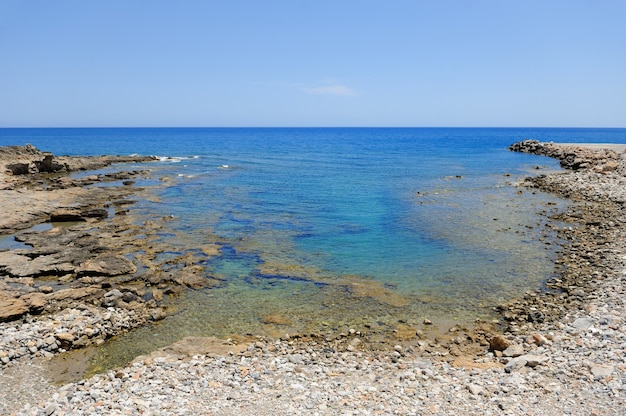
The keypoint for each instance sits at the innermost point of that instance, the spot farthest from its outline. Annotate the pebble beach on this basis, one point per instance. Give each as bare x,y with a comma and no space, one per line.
557,351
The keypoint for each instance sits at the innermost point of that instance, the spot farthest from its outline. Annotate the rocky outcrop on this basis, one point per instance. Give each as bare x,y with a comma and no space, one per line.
36,187
25,160
573,157
75,261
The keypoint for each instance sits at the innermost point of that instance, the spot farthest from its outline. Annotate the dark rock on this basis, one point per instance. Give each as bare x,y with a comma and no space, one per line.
20,168
99,213
77,215
66,215
49,165
536,316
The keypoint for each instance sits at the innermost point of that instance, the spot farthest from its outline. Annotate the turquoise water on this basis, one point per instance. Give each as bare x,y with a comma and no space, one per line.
341,226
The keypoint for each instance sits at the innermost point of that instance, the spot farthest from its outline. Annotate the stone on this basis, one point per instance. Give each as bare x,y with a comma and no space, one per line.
498,343
535,360
537,339
112,297
610,166
66,339
46,289
514,350
515,364
601,371
355,342
296,359
158,314
50,409
475,389
582,324
276,319
157,294
535,316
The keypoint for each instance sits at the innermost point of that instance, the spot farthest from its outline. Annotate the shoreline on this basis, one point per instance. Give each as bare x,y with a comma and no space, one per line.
530,355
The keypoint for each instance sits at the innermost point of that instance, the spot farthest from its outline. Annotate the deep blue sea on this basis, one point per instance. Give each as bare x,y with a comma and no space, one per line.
341,226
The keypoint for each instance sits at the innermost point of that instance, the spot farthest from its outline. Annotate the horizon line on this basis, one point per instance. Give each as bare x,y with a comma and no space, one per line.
312,127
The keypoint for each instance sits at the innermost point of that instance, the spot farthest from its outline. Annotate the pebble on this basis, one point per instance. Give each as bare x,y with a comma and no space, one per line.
47,334
582,324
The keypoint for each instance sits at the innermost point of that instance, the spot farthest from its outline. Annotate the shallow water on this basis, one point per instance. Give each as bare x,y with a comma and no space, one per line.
324,229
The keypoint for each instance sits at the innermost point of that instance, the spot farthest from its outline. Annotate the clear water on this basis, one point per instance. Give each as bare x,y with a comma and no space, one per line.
332,227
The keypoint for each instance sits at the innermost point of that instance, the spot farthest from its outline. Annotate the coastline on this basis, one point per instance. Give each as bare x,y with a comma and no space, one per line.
534,366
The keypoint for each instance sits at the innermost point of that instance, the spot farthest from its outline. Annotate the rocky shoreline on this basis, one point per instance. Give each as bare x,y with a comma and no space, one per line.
92,271
70,266
559,351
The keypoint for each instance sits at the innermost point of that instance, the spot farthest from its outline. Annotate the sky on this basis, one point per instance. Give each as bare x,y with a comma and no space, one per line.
236,63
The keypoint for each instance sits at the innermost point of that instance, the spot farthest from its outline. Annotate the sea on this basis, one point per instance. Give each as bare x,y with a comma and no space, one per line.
327,229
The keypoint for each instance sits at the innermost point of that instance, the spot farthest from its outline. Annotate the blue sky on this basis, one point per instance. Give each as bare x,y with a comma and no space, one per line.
313,63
